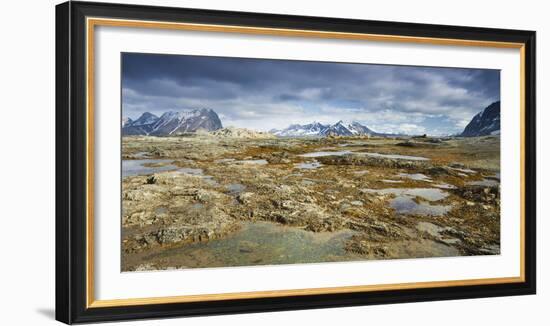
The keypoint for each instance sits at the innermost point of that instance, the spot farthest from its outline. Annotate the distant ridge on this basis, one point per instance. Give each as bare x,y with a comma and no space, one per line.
172,123
486,122
316,129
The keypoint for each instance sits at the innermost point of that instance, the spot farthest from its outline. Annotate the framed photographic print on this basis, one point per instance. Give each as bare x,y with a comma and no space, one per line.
214,162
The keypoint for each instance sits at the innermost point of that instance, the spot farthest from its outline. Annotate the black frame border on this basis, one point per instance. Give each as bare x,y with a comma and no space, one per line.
71,162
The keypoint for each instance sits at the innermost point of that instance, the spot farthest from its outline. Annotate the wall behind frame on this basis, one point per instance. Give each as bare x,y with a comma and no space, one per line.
28,162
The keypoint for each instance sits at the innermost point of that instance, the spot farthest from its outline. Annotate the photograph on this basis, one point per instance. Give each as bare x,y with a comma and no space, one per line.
231,161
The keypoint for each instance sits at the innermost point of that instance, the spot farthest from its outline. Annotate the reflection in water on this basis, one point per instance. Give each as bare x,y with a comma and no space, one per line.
309,165
320,154
397,156
404,201
235,188
415,176
341,153
391,181
151,166
430,194
261,243
445,186
145,167
406,205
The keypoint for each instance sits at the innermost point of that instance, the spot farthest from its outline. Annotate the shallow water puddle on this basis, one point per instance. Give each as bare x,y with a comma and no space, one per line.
464,170
341,153
396,156
308,165
323,153
225,160
136,167
198,173
141,167
141,154
404,202
391,181
429,194
259,243
161,210
415,176
444,186
235,188
436,231
406,205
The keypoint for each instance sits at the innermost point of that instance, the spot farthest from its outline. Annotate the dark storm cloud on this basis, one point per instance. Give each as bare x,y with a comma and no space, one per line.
264,94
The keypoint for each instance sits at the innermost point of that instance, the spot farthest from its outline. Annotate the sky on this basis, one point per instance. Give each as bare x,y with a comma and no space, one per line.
264,94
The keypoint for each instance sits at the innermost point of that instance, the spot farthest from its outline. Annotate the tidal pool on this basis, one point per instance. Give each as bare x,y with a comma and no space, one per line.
152,166
235,188
323,153
404,202
429,194
136,167
341,153
415,176
391,181
445,186
225,160
141,154
308,165
396,156
260,243
406,205
464,170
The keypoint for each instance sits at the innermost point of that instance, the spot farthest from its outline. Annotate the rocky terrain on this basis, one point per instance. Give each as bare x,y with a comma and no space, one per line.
232,132
230,198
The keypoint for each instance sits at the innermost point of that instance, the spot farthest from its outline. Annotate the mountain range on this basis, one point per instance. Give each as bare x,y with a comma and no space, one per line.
317,129
486,122
172,123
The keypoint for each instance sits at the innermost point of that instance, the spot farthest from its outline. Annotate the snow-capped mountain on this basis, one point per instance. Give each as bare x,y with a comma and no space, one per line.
145,119
296,130
141,126
358,129
337,129
173,123
317,129
486,122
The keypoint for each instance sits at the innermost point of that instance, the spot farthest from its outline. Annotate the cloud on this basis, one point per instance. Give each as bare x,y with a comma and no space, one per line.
265,94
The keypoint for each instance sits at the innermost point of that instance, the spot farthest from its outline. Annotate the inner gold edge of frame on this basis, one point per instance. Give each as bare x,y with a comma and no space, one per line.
90,297
297,292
